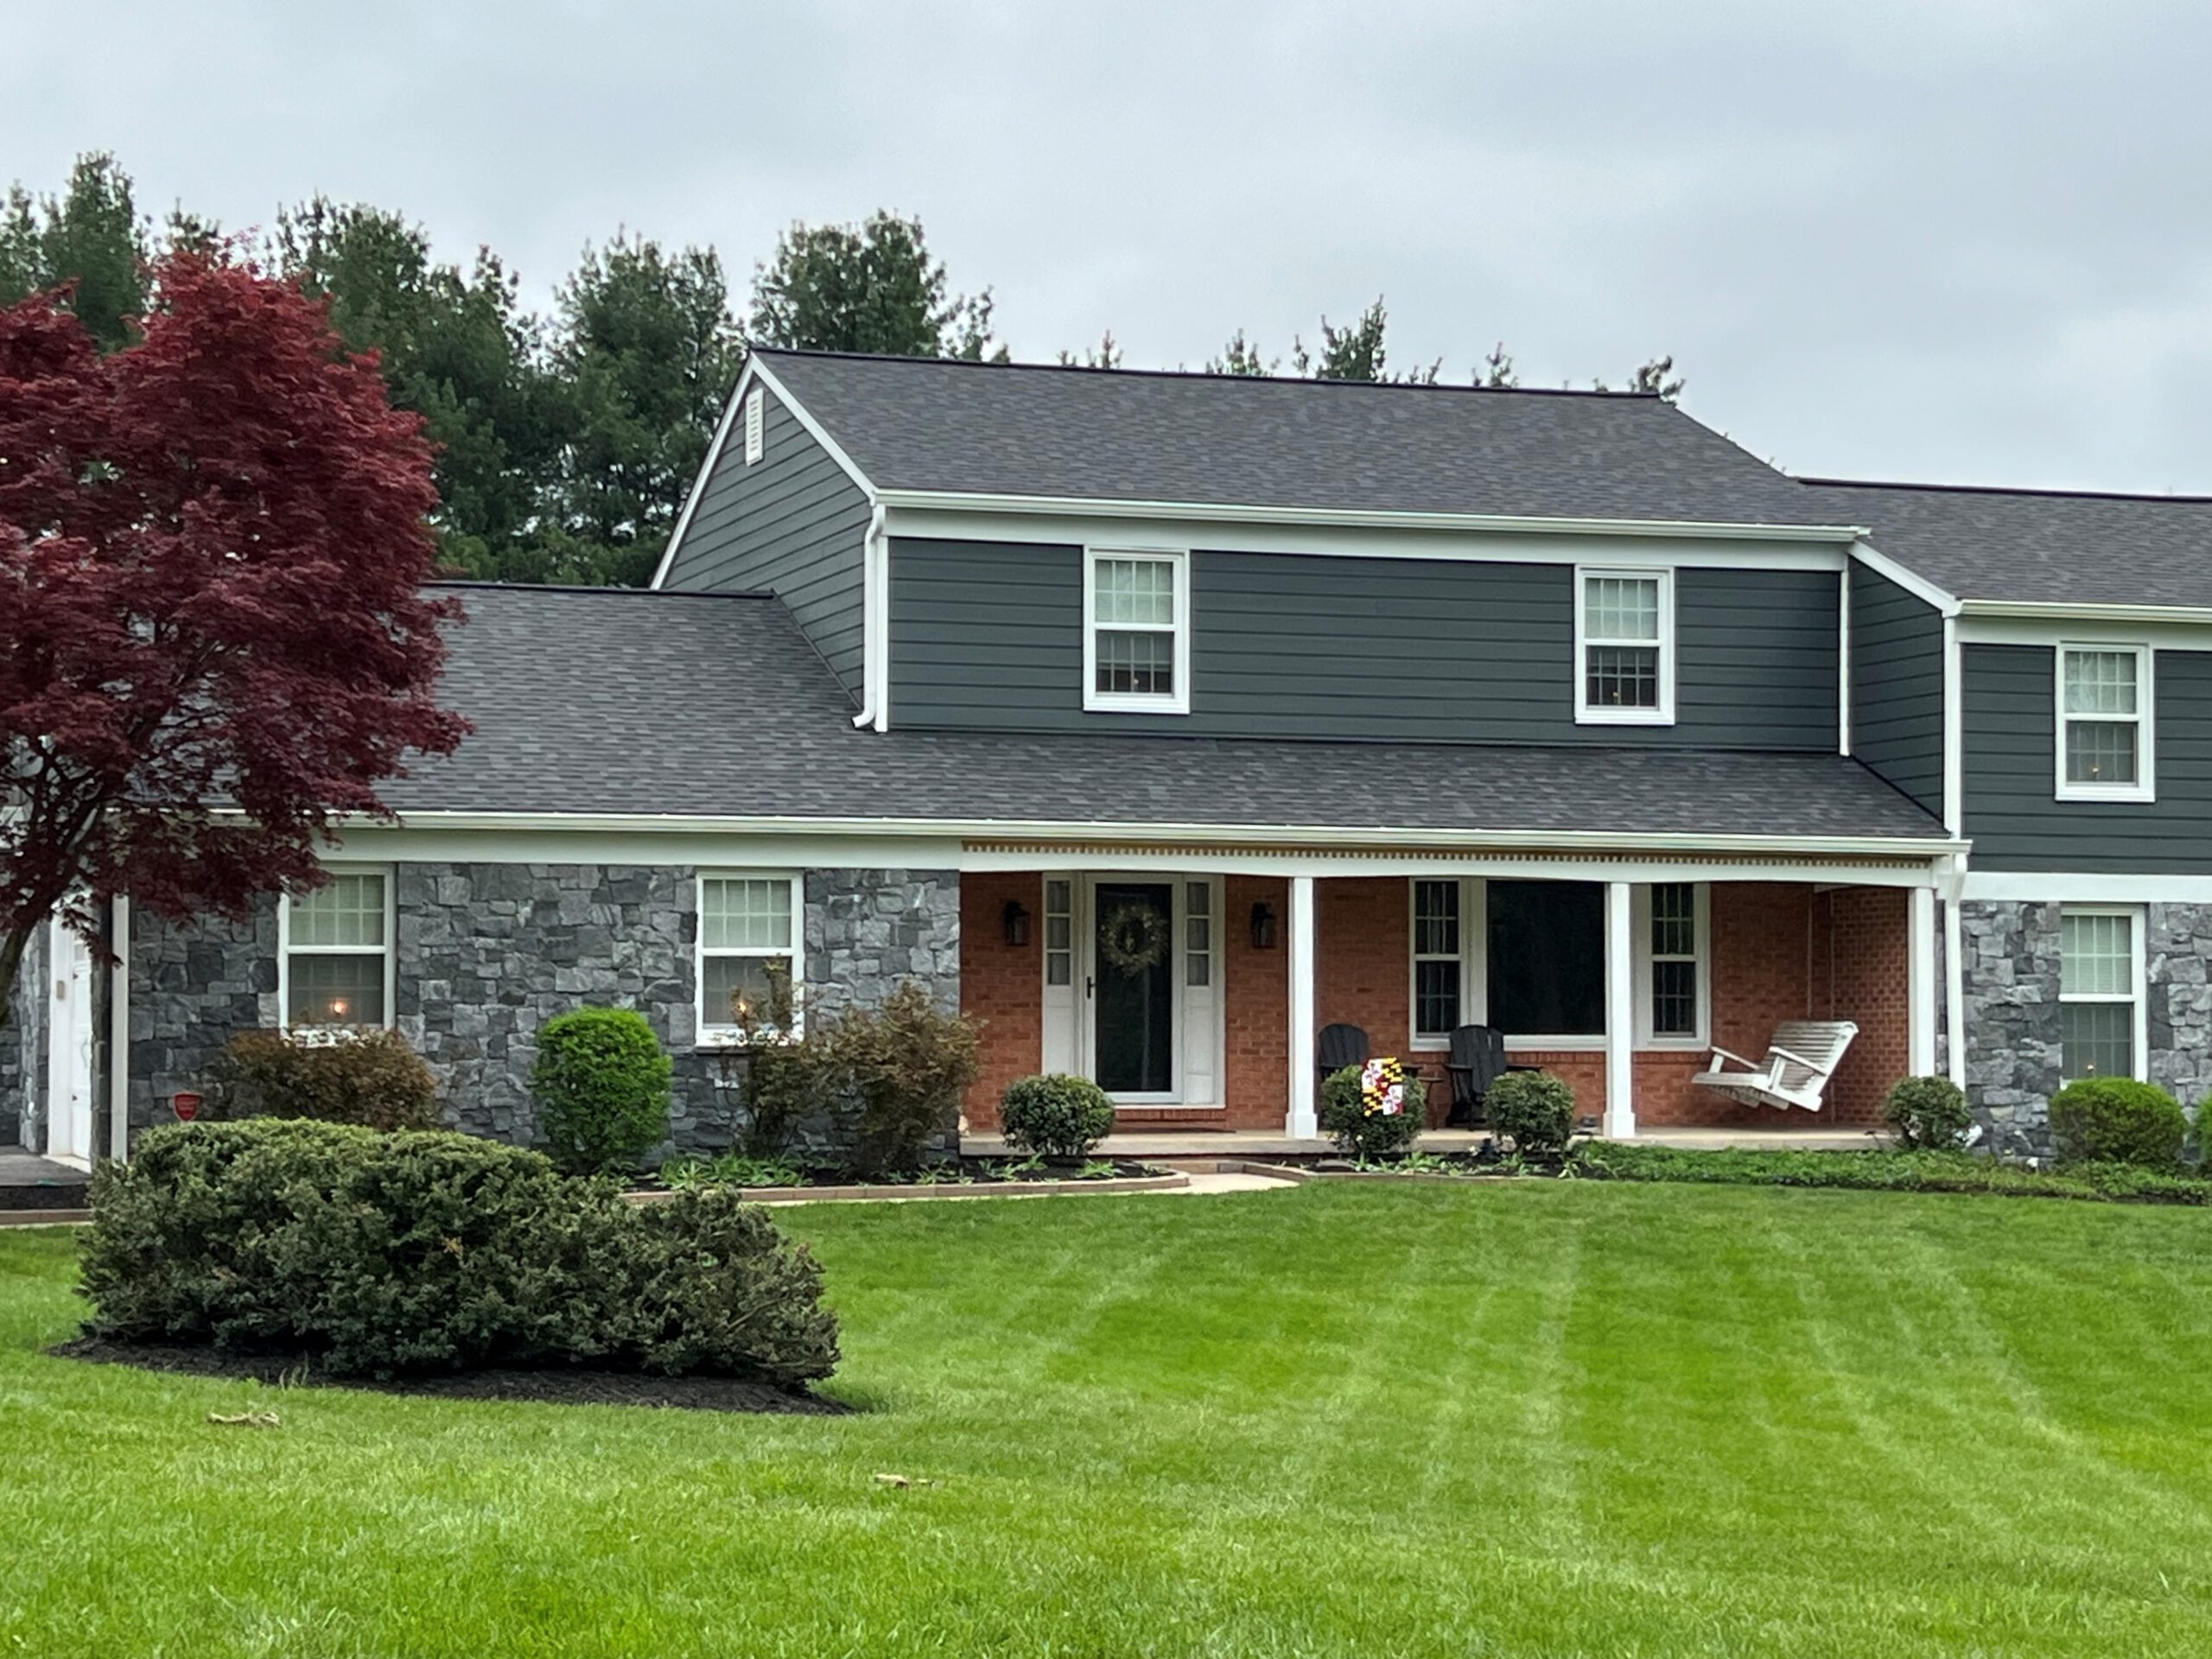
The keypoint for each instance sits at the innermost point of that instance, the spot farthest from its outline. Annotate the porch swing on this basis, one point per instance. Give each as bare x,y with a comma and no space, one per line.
1801,1058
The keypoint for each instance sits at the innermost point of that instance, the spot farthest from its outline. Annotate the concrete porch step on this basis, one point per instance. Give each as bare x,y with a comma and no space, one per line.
29,1182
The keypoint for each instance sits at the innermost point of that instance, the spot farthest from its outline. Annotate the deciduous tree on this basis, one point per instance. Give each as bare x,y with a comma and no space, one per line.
213,640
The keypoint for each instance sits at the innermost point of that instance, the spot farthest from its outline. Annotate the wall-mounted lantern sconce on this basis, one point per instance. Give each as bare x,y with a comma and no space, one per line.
1017,922
1264,927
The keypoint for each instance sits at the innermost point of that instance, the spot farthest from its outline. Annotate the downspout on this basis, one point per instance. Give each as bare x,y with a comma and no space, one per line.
119,1028
875,623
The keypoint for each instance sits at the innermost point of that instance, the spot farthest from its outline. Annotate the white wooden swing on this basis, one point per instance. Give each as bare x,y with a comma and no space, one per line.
1801,1058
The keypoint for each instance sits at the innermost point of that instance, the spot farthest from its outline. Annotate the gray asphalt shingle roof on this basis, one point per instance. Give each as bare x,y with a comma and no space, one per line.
918,423
2036,546
615,700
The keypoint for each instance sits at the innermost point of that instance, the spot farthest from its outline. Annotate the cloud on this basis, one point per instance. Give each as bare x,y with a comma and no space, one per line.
1930,240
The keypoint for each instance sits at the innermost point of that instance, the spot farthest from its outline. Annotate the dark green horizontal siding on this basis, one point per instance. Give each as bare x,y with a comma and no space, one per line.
1897,686
792,523
2010,758
991,634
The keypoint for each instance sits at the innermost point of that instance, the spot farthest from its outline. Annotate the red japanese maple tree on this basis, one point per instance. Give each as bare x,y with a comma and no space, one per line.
213,641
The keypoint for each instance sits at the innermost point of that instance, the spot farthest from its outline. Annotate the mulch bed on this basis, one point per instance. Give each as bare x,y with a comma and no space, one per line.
579,1387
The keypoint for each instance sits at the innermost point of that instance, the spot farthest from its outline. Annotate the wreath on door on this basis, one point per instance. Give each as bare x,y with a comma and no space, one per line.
1134,938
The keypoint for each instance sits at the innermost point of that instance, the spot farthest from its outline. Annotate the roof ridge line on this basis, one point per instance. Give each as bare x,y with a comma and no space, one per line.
1210,374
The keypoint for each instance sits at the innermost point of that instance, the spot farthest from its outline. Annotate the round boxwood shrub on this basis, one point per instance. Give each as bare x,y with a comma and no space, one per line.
1055,1116
1533,1110
1928,1112
2119,1121
388,1254
370,1078
602,1084
1364,1133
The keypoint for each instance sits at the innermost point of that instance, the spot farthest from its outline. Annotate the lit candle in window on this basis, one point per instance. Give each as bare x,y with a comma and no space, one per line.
337,1008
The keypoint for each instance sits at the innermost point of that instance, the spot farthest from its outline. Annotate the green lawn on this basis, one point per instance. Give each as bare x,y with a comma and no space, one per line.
1548,1418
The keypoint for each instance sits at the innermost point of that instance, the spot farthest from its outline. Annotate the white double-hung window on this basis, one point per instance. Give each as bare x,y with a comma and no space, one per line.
2105,746
1137,634
1623,647
336,952
748,934
2100,991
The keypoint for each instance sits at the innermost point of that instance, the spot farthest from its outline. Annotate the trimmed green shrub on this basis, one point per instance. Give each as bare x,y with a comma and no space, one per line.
1914,1170
1928,1112
602,1084
369,1077
1055,1116
409,1253
1533,1110
908,1064
1364,1134
2118,1120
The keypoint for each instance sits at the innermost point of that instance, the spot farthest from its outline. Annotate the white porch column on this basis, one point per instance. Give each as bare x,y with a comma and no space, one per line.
1302,1120
1620,1013
1954,989
1920,983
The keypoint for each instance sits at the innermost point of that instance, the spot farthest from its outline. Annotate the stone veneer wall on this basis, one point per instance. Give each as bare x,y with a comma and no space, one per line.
22,1052
2009,957
192,990
486,953
2178,945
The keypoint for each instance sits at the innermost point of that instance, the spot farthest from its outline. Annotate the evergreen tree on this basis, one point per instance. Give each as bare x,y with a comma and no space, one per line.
872,287
90,236
645,352
457,349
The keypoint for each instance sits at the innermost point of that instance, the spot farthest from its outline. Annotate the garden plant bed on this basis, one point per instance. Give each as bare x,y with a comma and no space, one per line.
968,1178
581,1386
1896,1169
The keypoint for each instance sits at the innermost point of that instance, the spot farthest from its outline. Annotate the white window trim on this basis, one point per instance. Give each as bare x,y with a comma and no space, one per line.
286,948
719,1033
1640,922
1586,714
2144,788
756,425
2138,992
1474,963
1097,702
1474,974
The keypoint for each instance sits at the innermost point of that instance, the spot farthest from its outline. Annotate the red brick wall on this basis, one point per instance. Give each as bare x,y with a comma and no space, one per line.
1761,949
1256,1010
1001,985
1862,974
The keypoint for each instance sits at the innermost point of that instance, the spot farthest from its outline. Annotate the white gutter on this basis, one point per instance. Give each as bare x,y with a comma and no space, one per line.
2070,611
1322,837
1102,507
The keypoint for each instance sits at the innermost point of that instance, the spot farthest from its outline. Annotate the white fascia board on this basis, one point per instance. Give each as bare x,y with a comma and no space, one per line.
2167,629
1337,518
812,428
1409,541
1324,838
2069,611
706,471
754,370
2095,887
1911,581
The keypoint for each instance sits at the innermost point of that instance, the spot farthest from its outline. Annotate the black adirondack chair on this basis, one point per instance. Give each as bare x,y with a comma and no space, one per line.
1340,1046
1477,1060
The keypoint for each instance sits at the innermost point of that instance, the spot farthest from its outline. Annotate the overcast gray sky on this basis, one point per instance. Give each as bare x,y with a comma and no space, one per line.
1948,241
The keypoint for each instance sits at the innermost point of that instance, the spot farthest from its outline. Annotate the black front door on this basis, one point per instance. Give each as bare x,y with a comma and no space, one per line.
1133,1006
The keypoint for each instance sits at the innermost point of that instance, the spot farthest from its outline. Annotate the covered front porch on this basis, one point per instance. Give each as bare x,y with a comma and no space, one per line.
1194,985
